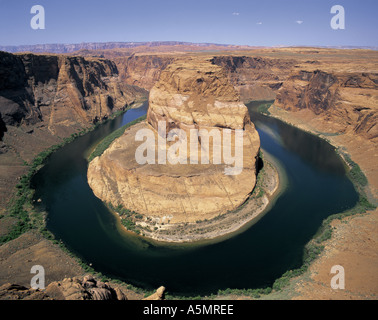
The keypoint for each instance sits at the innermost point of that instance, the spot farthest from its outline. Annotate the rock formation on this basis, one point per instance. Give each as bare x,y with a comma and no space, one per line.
190,94
158,295
195,94
44,98
76,288
255,78
67,93
87,288
142,70
10,291
326,90
345,100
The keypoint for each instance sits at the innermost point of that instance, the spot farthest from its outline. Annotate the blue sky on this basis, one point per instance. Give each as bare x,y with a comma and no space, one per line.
241,22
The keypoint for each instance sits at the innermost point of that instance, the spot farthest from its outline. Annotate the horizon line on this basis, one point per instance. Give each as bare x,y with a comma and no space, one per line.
180,43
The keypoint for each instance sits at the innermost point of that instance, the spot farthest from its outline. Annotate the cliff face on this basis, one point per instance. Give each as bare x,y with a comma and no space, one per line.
347,101
190,94
142,70
201,96
68,93
44,98
255,78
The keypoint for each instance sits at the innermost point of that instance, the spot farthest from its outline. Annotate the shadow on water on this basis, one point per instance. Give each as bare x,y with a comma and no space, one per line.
317,188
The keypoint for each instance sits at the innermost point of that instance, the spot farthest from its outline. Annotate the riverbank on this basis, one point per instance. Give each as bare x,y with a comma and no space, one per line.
270,183
352,240
94,150
362,151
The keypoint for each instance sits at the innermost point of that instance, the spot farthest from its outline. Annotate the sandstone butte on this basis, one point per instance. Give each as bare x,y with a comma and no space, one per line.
190,94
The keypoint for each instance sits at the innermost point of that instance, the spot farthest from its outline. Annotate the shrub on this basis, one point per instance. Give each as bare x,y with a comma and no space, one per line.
106,142
263,108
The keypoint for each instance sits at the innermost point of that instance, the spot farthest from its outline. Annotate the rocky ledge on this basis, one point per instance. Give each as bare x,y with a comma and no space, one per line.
87,288
190,94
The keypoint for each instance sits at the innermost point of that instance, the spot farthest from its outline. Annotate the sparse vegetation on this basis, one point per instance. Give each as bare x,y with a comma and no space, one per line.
355,173
260,193
20,205
253,293
263,108
105,143
128,217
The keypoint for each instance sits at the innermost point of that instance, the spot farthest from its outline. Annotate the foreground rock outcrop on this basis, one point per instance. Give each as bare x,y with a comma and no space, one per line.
76,288
190,94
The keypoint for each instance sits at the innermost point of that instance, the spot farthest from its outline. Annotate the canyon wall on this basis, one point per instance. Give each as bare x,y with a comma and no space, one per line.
336,97
255,78
44,98
142,70
326,91
66,93
345,100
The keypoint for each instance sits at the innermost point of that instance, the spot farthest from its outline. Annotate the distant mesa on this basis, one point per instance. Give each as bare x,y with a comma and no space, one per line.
72,47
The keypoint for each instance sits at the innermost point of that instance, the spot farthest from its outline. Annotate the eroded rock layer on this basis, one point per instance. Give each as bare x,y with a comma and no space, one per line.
344,98
256,77
190,94
66,93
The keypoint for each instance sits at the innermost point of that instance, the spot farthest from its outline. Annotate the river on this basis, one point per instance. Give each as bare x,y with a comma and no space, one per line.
316,187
